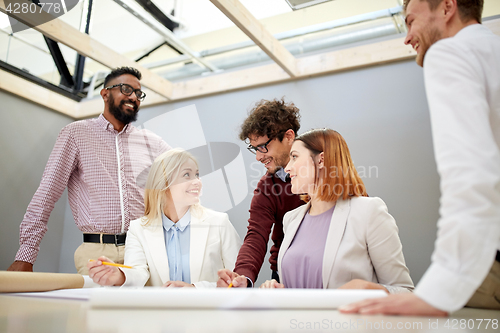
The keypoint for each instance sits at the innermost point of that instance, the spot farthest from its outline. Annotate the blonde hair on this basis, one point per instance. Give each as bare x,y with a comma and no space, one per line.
163,172
340,179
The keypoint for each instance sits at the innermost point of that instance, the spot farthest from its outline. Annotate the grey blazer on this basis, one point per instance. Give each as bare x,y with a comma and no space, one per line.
362,243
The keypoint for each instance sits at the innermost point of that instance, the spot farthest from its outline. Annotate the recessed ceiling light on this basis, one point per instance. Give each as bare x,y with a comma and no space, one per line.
299,4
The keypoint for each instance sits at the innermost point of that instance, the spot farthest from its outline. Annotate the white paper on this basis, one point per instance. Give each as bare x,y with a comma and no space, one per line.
189,298
82,294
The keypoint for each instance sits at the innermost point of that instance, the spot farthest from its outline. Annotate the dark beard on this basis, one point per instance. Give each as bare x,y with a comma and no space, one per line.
122,116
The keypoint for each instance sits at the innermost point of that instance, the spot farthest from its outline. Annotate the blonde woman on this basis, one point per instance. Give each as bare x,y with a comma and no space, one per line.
178,243
341,238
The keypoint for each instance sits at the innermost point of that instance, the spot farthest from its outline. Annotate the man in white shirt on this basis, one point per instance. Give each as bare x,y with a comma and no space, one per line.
461,60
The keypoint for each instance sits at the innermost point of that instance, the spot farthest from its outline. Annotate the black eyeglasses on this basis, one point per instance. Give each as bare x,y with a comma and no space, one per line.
261,148
127,90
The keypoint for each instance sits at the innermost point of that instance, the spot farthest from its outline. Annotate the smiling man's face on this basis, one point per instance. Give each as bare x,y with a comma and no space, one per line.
277,155
124,108
424,27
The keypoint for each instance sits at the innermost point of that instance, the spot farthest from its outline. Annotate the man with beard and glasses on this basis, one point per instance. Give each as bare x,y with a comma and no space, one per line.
270,130
100,161
461,61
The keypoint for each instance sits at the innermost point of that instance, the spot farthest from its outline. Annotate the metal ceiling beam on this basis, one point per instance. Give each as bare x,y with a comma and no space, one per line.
169,36
299,47
80,60
395,11
62,32
147,53
28,77
156,12
66,79
62,67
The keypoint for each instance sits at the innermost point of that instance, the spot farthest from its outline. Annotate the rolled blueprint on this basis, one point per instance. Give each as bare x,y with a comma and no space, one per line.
15,282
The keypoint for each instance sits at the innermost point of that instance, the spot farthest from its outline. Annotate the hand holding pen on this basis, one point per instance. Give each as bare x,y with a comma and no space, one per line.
228,279
105,272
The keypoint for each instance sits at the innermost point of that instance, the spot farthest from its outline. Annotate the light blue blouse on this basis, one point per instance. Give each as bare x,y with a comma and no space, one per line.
178,257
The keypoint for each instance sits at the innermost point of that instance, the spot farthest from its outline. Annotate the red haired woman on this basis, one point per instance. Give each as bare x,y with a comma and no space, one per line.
341,238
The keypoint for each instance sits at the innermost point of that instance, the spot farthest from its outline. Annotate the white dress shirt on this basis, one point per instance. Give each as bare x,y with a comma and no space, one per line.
462,80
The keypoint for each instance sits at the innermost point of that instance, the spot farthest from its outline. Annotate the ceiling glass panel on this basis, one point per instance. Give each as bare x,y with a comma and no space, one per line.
204,29
74,16
27,51
121,31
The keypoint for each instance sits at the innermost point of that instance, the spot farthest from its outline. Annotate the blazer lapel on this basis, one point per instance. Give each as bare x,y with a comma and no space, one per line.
155,240
334,237
197,245
290,232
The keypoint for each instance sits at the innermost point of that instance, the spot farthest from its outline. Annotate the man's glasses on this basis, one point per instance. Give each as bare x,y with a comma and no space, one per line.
260,148
128,90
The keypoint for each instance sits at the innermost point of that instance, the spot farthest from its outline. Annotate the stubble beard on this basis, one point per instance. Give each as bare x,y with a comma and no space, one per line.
432,36
281,161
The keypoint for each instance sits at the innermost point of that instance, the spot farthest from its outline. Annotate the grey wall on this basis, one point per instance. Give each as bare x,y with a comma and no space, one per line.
26,139
381,112
383,115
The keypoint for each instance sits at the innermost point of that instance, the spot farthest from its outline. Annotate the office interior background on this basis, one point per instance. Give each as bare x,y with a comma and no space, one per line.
203,71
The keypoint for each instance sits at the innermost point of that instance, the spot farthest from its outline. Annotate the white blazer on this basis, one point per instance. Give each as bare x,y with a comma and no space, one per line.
362,243
214,245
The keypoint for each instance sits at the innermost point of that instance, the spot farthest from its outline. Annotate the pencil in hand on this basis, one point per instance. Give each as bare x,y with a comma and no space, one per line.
112,264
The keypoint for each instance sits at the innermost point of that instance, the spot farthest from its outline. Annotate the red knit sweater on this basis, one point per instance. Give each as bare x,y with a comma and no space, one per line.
271,200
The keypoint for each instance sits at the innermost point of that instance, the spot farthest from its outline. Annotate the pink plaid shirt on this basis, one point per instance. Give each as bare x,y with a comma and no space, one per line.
86,158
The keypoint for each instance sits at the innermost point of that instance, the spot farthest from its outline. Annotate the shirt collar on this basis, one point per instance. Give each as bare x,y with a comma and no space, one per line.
281,174
181,224
471,29
104,123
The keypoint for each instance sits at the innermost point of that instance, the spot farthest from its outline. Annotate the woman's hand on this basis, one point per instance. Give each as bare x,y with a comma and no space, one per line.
105,275
177,284
362,284
272,284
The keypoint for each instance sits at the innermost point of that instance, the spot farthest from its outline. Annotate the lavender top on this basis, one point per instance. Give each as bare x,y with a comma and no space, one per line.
302,265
